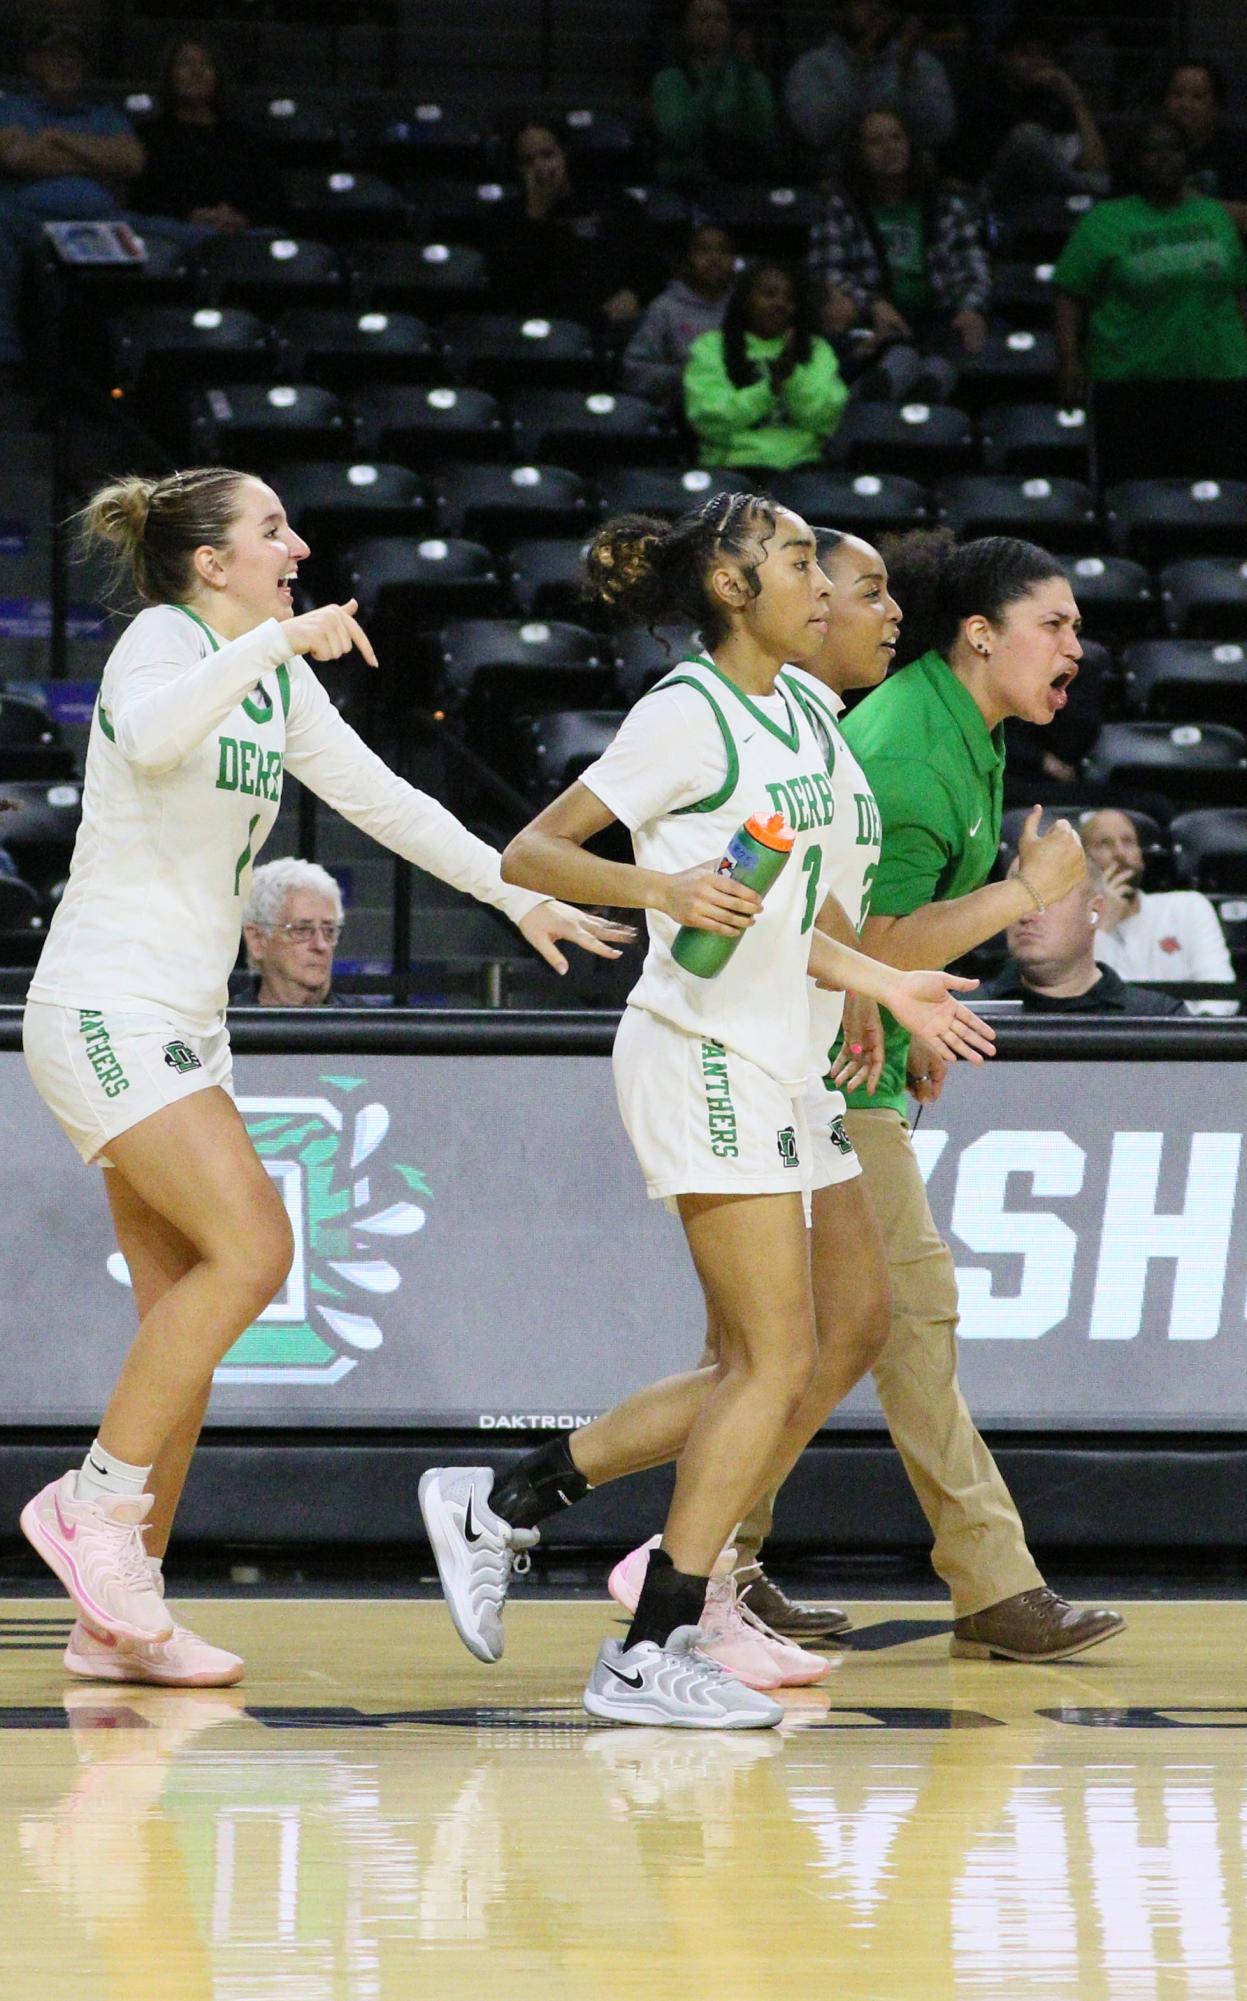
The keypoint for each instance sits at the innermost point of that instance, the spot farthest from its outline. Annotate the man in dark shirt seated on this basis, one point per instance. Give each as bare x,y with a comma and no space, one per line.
1052,966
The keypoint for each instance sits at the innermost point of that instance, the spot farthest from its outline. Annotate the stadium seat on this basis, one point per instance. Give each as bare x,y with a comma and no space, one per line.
764,222
417,139
643,657
430,426
404,586
921,439
514,350
426,278
547,577
601,144
332,502
40,827
340,347
1210,849
1036,226
456,211
302,130
1116,597
501,505
862,503
560,744
1057,513
31,744
1036,438
1161,519
343,204
589,431
1180,680
164,344
23,926
257,423
1203,764
1205,597
495,670
1022,291
269,273
1015,367
656,490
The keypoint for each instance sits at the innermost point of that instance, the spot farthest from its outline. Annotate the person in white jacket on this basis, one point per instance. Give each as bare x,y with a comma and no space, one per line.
205,701
1172,934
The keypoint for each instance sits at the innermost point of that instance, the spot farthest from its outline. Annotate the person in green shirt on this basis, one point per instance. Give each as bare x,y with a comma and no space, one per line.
1151,288
990,631
764,390
714,113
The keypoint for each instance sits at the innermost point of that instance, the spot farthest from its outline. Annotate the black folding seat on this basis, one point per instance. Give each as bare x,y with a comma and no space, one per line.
1036,438
31,744
600,429
405,586
1116,597
923,440
332,503
1205,597
862,503
602,144
424,278
642,657
501,505
343,204
1210,850
270,273
562,743
402,139
341,347
1056,513
1158,520
516,350
547,577
430,426
663,490
1186,680
1204,764
23,926
157,345
1037,226
302,130
260,423
764,221
456,211
494,671
40,827
1015,367
1022,291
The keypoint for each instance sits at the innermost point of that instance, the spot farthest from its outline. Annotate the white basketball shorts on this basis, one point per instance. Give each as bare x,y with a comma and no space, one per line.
99,1073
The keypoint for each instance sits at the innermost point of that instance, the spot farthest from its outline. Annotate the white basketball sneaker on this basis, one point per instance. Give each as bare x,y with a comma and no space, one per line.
181,1661
475,1551
676,1685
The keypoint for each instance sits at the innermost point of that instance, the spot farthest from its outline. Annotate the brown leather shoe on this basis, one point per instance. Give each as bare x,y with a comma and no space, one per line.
778,1611
1033,1626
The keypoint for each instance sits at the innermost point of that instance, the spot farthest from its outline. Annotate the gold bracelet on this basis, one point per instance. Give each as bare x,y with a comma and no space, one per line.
1030,889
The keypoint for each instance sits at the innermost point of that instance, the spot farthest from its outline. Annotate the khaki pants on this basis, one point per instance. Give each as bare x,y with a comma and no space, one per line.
980,1546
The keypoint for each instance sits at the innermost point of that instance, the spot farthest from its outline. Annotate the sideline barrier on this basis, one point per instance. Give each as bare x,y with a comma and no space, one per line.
477,1262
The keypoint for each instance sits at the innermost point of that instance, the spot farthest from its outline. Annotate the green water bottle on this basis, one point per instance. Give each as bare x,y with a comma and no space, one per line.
755,855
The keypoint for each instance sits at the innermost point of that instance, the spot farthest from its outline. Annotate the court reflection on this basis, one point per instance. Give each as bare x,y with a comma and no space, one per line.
198,1856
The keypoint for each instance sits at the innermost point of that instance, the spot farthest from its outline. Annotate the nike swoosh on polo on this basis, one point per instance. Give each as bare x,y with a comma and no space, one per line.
471,1533
978,823
636,1680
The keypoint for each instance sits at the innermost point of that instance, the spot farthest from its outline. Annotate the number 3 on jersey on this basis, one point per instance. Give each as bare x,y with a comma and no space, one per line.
812,866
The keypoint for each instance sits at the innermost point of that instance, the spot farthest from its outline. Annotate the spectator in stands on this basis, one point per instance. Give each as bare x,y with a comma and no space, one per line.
1216,159
63,157
1052,968
1025,127
873,59
292,921
1151,289
1172,934
692,304
902,263
766,389
562,249
203,167
714,112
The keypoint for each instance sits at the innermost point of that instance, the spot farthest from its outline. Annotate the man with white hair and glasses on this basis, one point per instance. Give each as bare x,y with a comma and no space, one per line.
292,921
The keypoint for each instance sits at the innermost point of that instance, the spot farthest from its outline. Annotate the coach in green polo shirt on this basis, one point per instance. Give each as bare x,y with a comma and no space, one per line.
990,631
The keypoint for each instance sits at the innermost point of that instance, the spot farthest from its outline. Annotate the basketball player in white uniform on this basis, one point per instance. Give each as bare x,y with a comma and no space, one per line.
711,1077
205,701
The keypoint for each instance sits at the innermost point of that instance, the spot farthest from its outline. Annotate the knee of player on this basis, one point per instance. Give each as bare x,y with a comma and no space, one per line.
262,1264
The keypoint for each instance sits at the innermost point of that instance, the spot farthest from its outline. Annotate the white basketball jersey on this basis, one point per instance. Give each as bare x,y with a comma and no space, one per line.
758,1004
851,847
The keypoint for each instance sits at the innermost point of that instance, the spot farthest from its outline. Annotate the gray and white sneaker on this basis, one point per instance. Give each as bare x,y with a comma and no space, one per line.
673,1685
475,1550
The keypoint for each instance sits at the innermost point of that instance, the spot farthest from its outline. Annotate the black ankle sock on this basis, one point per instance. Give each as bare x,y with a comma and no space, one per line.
669,1598
542,1484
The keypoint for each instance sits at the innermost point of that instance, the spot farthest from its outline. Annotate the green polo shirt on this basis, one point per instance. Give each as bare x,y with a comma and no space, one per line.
937,773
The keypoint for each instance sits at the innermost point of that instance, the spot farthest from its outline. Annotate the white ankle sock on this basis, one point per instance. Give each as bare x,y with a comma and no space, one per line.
103,1477
156,1564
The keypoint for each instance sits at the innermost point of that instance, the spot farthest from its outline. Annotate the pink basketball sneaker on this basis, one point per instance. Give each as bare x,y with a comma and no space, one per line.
732,1635
181,1661
626,1579
96,1549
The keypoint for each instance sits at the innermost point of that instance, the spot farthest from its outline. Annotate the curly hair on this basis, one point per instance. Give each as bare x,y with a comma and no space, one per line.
740,368
939,583
645,571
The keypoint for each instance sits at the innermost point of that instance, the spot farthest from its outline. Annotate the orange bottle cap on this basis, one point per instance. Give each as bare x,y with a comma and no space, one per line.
772,831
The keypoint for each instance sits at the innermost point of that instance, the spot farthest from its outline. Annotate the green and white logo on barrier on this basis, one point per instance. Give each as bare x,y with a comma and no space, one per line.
326,1162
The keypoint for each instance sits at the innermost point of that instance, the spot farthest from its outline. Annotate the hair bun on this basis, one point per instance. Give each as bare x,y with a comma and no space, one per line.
620,560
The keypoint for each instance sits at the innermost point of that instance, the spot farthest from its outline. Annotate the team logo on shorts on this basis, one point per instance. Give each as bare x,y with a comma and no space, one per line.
838,1136
786,1141
181,1057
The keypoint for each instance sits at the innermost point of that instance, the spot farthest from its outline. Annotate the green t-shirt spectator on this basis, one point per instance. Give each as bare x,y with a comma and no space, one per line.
904,237
760,424
1161,290
714,120
937,773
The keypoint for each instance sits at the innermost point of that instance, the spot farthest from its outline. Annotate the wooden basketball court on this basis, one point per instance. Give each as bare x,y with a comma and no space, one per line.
373,1814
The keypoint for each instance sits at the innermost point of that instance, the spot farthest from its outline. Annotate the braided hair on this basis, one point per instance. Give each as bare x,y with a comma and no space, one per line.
939,583
646,571
740,368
